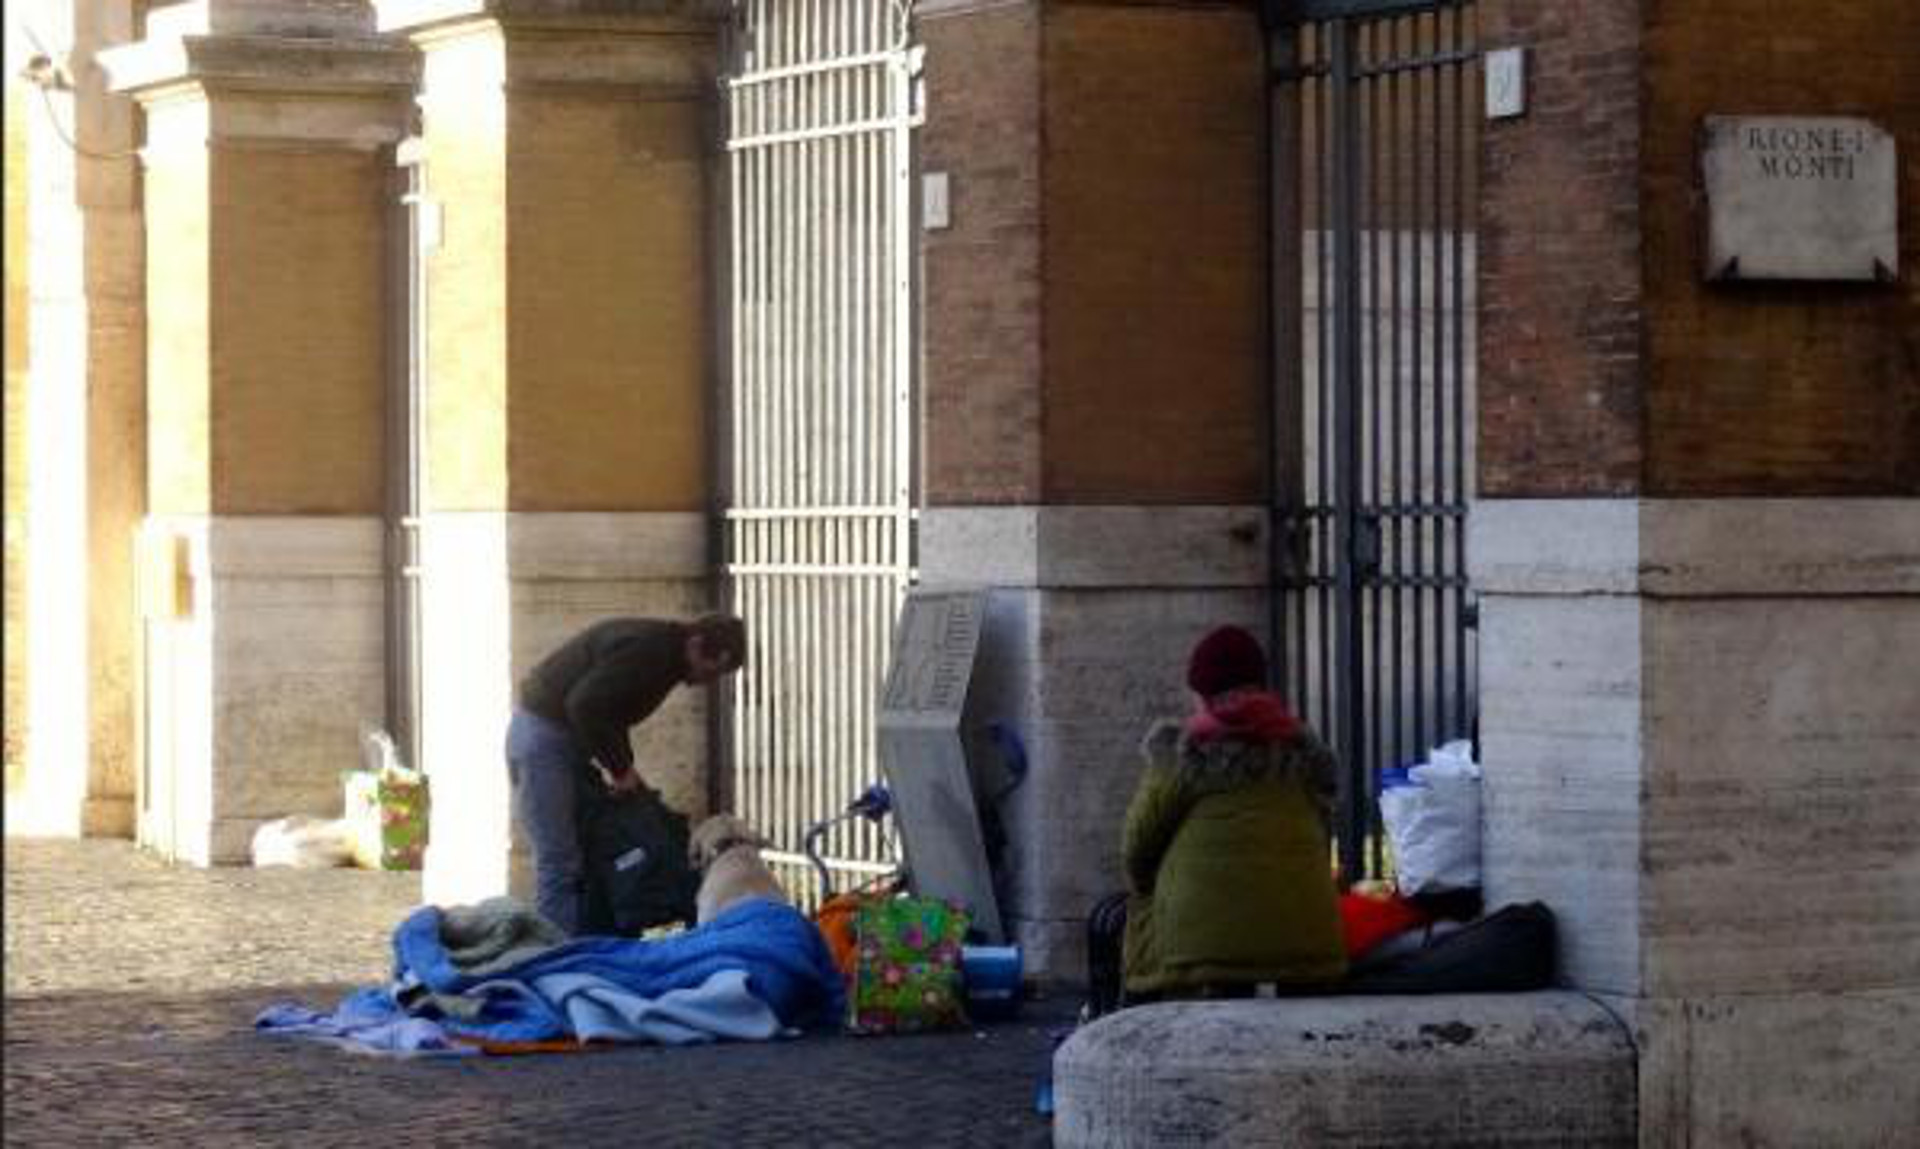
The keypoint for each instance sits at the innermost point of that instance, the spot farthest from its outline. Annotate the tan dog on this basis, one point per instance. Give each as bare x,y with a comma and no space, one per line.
726,851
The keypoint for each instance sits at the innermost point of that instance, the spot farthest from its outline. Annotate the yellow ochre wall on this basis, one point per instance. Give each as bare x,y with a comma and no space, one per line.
609,339
567,301
266,361
297,331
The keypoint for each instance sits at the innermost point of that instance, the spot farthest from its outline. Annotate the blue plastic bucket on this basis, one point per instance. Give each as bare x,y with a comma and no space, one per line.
992,977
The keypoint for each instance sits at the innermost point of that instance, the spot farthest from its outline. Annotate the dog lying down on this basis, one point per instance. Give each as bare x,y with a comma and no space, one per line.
726,851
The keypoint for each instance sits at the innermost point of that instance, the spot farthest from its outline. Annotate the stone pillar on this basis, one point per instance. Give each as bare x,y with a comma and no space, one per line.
1698,555
15,420
266,197
568,311
1095,392
83,461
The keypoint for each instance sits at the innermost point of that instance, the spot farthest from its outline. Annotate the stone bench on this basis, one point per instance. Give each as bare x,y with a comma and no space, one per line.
1550,1068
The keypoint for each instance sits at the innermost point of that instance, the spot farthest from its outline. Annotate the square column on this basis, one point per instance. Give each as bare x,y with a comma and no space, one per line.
75,481
1095,394
567,159
267,176
1698,556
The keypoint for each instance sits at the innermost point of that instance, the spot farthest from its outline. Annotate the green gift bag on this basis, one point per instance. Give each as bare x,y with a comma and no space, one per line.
907,976
388,807
404,806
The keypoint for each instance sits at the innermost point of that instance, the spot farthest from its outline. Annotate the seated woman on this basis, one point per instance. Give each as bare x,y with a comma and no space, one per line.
1226,842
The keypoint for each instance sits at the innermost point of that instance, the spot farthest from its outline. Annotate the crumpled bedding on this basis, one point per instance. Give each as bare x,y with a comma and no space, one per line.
757,970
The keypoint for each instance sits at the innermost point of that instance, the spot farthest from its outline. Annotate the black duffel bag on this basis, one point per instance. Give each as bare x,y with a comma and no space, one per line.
633,855
1511,950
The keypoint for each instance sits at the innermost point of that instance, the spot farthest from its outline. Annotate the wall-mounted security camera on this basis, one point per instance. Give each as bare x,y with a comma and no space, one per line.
44,73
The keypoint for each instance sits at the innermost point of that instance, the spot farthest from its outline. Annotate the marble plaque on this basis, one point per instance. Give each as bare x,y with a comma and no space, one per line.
1800,197
924,758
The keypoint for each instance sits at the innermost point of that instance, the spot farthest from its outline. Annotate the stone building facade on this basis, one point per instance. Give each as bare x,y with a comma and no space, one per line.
1696,542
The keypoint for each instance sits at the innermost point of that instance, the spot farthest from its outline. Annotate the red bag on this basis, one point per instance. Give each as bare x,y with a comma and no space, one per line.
1369,921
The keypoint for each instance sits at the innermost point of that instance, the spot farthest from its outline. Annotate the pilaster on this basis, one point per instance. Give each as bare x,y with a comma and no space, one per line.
1092,614
568,155
1095,393
1698,561
82,465
267,190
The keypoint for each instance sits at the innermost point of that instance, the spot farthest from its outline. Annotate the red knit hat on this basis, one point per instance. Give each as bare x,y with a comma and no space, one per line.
1226,659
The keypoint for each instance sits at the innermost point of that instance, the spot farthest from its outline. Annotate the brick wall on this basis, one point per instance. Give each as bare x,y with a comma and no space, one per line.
1782,389
982,302
296,330
1607,366
1561,357
1155,258
1093,315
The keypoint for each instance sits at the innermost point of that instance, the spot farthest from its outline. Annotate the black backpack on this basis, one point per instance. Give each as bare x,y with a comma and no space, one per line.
1509,951
633,855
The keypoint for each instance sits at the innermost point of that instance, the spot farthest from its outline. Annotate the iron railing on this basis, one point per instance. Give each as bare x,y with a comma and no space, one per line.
819,513
1375,107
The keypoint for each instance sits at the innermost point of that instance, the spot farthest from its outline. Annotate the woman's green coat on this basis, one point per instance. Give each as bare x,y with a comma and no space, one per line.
1227,859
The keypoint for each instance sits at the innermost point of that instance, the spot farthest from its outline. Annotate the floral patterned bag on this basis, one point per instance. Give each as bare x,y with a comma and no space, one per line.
907,976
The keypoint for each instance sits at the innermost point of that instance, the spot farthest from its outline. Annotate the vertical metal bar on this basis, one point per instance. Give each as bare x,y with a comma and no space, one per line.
1323,494
813,784
1442,427
1313,169
901,112
738,292
778,743
1431,409
1283,222
840,439
1395,556
746,368
411,425
1347,337
764,331
1418,380
862,419
864,470
1380,47
1462,221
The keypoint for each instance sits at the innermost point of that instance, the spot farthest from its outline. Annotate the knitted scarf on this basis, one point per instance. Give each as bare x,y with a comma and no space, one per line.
1248,715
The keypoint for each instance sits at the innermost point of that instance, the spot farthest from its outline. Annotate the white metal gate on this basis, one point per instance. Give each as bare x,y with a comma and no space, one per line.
819,518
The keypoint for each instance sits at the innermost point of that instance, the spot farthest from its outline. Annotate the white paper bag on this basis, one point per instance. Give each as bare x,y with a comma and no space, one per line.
1433,822
303,841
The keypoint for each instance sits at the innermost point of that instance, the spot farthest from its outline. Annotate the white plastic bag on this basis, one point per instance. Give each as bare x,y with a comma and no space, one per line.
1432,819
303,841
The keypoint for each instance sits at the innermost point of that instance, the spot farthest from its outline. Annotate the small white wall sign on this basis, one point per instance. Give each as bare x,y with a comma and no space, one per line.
1800,197
1506,72
933,202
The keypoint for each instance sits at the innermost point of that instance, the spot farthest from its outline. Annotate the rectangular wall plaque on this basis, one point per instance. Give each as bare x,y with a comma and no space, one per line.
1800,197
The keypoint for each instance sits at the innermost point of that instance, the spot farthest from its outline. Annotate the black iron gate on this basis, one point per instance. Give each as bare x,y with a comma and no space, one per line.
1375,106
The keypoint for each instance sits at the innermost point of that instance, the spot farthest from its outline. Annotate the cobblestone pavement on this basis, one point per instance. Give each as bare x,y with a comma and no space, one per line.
131,986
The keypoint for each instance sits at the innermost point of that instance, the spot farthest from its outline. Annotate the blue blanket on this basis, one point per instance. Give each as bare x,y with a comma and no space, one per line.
781,953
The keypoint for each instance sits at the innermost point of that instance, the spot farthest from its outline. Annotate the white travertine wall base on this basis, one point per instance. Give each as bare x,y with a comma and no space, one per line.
256,695
1701,731
1093,613
501,591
